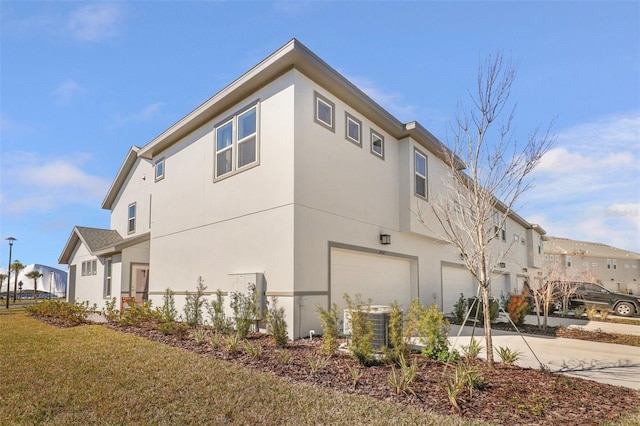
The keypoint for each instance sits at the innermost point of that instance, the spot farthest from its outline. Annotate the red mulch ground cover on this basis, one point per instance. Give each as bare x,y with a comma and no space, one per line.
510,395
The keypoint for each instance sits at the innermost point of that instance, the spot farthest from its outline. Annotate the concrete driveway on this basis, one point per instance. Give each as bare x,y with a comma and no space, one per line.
603,362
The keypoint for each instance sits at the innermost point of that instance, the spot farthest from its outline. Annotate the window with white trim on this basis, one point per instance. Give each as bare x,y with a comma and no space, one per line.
569,261
324,111
377,146
353,129
159,169
608,263
237,142
131,227
89,267
420,171
107,277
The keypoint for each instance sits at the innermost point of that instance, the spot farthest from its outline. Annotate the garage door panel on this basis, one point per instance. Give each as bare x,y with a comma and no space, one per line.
382,279
455,280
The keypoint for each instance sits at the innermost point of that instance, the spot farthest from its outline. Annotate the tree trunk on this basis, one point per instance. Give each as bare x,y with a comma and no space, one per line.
486,312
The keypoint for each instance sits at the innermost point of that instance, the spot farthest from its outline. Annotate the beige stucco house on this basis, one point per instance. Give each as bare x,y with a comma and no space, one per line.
293,179
614,268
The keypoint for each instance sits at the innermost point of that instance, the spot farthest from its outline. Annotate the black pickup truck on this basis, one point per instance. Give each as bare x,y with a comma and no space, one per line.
590,294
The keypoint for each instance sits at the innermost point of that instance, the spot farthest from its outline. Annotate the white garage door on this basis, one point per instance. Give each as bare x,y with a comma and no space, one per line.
382,279
500,285
455,280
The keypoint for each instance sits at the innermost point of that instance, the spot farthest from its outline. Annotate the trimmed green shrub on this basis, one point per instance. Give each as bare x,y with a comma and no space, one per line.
329,319
361,339
193,305
276,324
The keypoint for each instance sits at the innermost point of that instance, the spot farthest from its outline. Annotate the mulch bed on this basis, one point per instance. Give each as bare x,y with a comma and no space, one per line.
511,395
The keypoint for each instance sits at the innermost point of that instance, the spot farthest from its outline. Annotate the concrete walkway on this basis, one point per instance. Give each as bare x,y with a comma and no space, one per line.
603,362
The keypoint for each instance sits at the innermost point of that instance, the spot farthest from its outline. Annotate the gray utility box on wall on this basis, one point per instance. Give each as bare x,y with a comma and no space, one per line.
379,316
241,283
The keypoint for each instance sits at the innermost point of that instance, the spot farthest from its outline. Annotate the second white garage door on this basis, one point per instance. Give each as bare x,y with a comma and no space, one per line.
382,279
455,280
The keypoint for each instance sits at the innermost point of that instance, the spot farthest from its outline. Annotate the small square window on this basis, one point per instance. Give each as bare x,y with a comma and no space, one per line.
353,128
324,111
160,169
377,144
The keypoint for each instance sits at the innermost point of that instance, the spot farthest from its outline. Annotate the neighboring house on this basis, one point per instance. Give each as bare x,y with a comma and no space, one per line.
293,179
616,269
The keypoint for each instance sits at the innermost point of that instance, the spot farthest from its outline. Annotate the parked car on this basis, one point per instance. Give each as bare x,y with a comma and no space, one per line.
595,295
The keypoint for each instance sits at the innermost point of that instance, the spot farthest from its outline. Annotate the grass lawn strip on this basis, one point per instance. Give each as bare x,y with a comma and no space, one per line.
94,375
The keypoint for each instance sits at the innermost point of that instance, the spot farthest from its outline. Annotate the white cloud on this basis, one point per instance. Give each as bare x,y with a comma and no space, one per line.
587,187
391,101
7,125
95,22
90,22
33,184
145,114
66,91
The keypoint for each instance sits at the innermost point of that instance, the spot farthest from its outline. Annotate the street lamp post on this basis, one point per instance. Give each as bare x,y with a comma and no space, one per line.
11,240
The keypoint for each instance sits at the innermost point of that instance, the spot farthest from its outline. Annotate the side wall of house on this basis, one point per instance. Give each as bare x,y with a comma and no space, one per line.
345,198
89,286
136,190
242,224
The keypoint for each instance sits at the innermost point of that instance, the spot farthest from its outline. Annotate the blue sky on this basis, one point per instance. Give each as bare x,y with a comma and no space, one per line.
81,82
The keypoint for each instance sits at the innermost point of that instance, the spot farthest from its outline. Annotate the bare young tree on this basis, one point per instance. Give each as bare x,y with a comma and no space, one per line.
473,209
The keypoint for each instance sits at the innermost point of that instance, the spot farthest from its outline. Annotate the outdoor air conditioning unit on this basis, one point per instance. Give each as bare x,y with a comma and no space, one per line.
379,316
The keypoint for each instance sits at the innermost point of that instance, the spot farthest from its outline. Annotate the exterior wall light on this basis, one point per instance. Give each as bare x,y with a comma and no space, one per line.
385,239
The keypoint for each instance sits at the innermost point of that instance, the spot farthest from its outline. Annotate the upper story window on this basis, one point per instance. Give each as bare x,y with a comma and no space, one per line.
131,228
160,169
500,230
420,170
608,263
237,142
353,129
377,147
569,261
324,111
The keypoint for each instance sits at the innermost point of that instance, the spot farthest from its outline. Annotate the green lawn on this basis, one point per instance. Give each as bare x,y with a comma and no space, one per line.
93,375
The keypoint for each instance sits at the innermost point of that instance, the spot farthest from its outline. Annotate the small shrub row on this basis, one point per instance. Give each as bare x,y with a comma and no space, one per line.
70,313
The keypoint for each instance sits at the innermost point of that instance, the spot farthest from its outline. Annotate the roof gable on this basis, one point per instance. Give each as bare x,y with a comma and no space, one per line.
121,177
93,238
